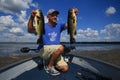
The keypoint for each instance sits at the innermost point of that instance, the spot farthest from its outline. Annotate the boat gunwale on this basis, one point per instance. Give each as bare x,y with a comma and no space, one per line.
72,56
80,56
15,64
100,61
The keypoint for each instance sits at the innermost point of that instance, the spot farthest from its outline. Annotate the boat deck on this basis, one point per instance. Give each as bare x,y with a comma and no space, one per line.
72,74
79,69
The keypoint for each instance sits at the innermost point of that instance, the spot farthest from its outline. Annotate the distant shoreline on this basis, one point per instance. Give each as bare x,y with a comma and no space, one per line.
64,42
93,42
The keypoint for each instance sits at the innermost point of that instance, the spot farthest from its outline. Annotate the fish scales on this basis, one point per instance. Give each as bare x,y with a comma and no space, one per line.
72,22
39,25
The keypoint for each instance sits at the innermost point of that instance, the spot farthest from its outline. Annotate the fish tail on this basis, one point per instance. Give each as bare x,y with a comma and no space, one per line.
72,40
40,40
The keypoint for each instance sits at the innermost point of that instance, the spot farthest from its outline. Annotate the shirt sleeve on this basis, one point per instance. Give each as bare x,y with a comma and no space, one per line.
62,26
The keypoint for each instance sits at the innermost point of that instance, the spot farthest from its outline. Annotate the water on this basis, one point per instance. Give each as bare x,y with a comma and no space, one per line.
92,47
7,49
14,48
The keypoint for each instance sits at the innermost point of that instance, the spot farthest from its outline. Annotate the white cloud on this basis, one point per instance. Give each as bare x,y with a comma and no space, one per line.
2,28
82,35
28,38
87,33
16,30
111,32
15,25
22,16
14,6
90,32
45,18
64,37
9,27
110,10
7,21
10,37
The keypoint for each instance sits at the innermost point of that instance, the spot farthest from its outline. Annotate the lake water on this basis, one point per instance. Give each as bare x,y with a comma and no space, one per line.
14,48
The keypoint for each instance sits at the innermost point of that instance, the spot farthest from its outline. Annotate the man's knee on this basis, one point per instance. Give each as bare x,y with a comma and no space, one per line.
65,69
61,48
62,68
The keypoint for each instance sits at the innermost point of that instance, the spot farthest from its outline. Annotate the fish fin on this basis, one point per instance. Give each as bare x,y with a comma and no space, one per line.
39,41
68,29
72,40
75,32
43,29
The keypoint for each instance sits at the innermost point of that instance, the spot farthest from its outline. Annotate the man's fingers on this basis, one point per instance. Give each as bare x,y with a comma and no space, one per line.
33,12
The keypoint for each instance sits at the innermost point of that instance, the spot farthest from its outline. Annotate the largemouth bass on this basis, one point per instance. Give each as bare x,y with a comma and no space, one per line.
72,22
39,25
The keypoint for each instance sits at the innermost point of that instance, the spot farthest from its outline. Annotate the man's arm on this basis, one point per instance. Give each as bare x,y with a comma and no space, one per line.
31,28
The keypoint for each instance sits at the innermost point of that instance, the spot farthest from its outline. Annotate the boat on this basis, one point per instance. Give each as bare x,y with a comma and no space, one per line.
80,68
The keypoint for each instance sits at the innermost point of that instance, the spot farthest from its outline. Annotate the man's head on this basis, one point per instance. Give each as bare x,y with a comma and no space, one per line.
52,15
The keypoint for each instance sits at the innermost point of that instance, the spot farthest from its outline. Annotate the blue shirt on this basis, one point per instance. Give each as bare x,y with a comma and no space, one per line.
52,34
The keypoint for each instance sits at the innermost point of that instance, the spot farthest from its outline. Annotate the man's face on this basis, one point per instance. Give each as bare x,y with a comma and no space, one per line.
52,17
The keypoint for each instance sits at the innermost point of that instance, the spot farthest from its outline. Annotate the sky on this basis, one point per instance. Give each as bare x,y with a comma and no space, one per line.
97,20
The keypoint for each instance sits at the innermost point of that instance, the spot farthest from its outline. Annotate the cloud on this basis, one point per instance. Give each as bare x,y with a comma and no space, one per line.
64,37
15,25
9,27
87,33
13,37
12,30
82,35
45,18
111,32
22,16
110,10
22,19
15,6
7,21
16,30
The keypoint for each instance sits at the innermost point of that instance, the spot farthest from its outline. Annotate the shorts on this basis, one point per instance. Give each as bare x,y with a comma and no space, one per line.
46,52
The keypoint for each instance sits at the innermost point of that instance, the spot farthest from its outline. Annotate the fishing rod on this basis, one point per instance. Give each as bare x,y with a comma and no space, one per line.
27,49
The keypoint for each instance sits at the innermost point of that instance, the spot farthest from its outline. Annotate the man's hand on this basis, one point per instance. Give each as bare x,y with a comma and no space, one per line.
33,12
76,11
31,28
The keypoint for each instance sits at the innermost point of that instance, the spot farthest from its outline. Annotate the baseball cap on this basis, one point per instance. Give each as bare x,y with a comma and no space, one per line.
50,11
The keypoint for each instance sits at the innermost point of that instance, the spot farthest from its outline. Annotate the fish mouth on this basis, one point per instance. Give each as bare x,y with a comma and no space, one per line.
38,17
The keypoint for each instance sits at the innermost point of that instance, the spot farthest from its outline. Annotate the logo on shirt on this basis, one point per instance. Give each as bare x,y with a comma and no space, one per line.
52,36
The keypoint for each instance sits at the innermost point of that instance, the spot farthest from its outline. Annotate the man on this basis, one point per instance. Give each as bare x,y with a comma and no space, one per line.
52,50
